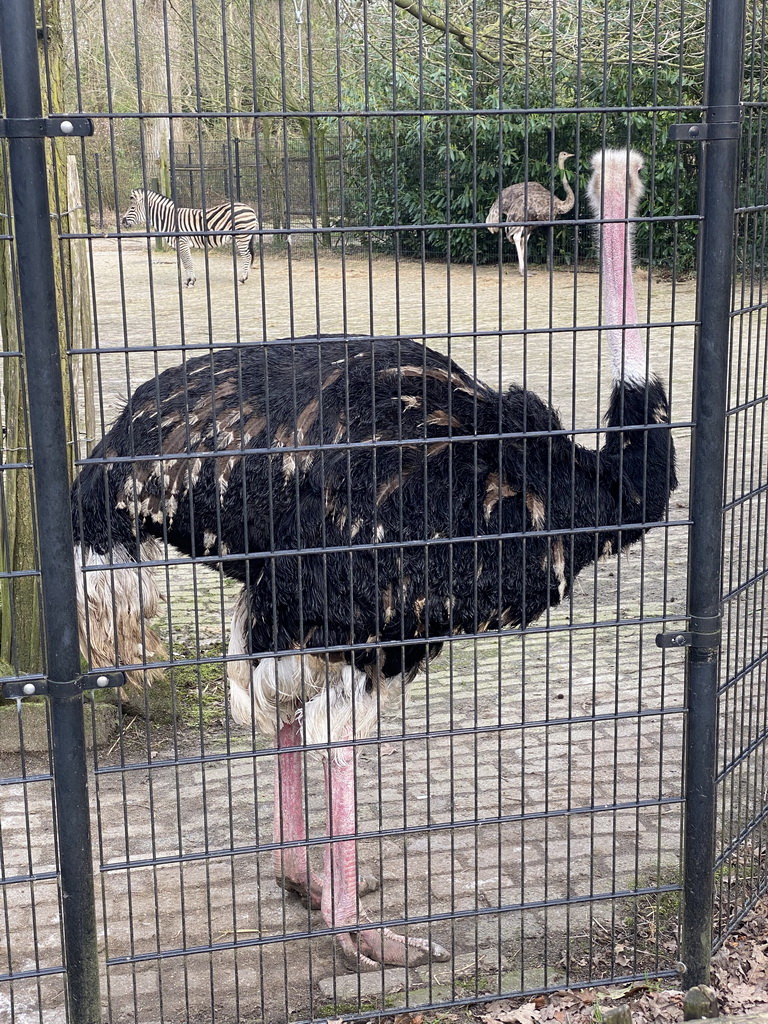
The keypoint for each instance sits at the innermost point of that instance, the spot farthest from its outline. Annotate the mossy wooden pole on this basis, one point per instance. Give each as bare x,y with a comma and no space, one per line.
50,52
20,639
20,643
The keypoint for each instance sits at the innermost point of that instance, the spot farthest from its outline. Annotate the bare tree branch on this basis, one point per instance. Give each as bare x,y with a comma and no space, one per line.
462,33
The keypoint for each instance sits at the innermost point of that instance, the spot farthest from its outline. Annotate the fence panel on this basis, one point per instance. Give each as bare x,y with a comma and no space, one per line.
330,513
741,867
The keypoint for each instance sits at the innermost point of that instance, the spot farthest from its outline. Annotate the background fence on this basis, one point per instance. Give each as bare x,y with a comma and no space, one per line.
558,800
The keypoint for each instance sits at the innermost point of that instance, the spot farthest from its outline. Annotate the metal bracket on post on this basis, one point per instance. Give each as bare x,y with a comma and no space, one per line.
704,633
723,123
56,127
68,688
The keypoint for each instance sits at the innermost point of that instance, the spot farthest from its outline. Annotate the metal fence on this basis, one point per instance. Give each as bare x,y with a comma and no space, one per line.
277,179
229,810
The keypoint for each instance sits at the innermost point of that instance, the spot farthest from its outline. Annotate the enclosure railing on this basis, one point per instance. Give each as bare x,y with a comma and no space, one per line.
446,794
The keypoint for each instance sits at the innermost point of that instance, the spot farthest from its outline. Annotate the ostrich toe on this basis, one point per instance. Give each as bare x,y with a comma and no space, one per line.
370,948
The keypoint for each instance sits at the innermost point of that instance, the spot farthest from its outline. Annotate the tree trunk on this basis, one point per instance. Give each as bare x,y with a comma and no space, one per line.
155,99
20,641
52,84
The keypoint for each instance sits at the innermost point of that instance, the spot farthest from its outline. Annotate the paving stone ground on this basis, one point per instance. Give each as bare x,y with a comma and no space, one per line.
527,779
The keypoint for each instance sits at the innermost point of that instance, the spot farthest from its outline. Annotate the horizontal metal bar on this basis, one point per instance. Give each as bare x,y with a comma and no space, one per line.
495,634
475,1000
203,348
334,447
742,674
451,827
368,229
255,557
742,836
733,923
40,972
25,780
390,739
44,876
419,112
744,755
449,915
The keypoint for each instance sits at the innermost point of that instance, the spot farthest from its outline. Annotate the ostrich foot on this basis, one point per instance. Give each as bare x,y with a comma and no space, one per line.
370,948
312,895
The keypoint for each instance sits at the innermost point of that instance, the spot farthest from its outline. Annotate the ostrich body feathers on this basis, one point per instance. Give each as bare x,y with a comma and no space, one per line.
409,522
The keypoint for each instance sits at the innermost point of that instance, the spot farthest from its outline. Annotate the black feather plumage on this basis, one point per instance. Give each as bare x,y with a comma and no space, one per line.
380,493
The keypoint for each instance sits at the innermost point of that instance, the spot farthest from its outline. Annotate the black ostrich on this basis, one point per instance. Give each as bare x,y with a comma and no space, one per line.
384,499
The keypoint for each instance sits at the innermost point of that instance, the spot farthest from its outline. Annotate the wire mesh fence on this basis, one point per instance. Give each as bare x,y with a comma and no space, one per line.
394,732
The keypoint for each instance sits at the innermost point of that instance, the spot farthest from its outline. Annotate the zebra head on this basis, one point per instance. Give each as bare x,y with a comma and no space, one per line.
137,209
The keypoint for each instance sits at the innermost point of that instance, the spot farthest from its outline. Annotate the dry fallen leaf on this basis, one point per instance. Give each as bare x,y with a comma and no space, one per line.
525,1014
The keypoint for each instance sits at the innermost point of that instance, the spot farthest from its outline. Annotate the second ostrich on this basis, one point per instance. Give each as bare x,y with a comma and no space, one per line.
373,498
529,201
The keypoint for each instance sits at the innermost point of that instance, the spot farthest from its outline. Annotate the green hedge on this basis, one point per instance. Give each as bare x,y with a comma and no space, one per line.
436,169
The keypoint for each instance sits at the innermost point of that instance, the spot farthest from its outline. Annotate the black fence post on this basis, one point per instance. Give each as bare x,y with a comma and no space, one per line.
32,230
719,155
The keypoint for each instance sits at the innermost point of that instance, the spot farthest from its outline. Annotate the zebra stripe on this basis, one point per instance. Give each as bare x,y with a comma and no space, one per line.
186,228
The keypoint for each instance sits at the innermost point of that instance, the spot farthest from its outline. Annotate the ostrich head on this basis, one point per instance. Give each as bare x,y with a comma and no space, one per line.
614,192
562,157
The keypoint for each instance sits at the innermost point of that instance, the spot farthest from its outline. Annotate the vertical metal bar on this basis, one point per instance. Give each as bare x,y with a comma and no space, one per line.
32,229
724,71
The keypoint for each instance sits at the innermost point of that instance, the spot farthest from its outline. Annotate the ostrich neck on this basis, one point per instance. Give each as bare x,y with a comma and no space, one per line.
627,349
566,205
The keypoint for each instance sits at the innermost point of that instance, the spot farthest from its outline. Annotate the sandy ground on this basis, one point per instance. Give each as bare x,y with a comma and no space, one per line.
528,780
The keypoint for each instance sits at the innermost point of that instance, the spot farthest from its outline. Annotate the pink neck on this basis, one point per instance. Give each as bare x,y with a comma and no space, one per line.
627,349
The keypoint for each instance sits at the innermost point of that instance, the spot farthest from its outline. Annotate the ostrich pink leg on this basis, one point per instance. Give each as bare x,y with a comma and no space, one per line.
292,870
362,947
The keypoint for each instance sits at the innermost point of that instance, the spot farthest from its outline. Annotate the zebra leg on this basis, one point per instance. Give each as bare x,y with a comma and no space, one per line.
244,255
186,260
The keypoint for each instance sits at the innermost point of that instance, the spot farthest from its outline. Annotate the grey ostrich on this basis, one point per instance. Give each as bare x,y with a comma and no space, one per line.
529,201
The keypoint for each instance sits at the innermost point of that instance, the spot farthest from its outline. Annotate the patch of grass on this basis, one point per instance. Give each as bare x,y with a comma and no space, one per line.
334,1011
198,689
654,914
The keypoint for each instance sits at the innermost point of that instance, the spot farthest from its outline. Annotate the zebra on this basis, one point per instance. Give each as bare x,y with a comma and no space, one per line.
234,223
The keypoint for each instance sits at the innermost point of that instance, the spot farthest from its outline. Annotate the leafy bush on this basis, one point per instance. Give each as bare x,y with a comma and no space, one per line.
419,172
